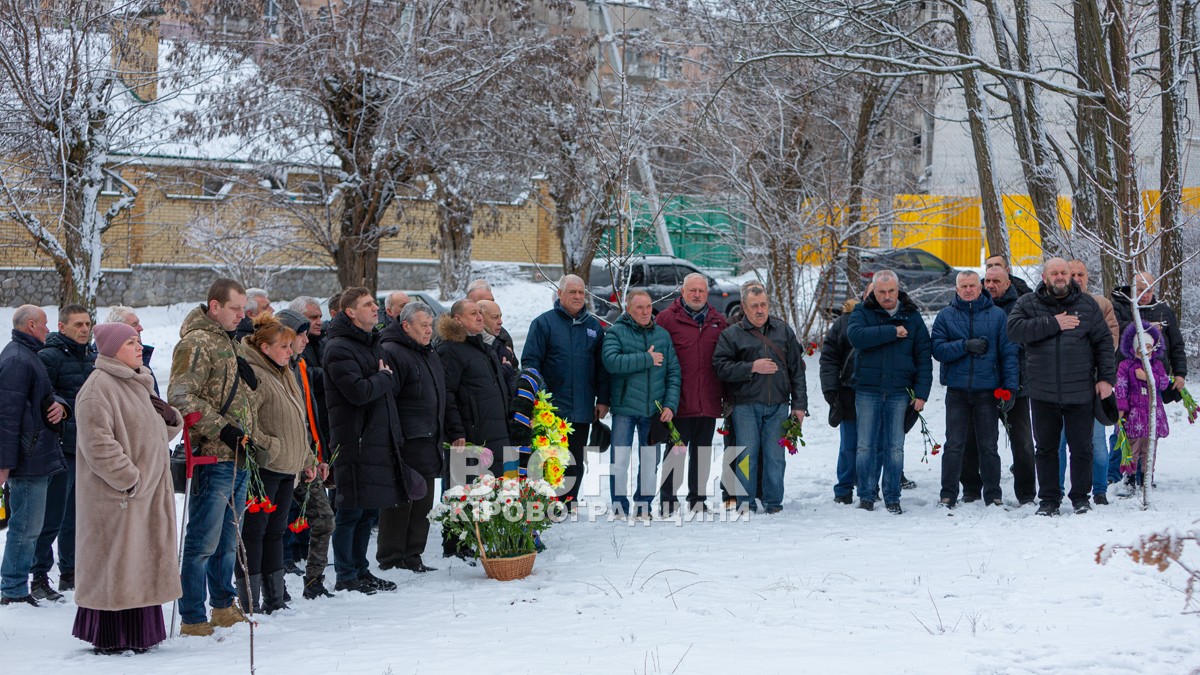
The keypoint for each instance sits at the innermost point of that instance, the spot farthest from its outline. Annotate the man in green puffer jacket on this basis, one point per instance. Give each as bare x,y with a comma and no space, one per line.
640,358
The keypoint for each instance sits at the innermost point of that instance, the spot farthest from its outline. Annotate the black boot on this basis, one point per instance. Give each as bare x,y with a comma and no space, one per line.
253,591
415,564
314,587
273,590
41,589
66,581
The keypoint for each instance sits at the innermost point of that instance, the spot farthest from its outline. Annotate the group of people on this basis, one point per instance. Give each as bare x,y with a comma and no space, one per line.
1053,366
315,432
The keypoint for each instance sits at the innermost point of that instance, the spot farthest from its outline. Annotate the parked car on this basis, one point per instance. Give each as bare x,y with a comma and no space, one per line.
927,279
423,296
662,276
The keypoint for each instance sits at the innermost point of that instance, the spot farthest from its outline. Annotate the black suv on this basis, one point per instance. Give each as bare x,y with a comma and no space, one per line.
926,278
662,276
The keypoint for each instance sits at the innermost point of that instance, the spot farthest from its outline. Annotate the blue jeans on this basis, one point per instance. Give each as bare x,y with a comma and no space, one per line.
59,524
623,428
210,544
881,419
351,534
26,511
1114,458
759,428
1100,460
847,458
847,469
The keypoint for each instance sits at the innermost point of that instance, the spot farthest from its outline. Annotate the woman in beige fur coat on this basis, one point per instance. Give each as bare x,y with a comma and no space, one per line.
125,539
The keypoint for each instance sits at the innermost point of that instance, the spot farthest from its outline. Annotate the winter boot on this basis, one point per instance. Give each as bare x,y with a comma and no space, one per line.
415,564
274,589
66,581
1048,509
314,587
227,616
41,589
202,629
248,590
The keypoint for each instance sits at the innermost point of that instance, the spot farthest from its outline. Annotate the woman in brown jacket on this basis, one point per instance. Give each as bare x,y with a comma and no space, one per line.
280,438
126,541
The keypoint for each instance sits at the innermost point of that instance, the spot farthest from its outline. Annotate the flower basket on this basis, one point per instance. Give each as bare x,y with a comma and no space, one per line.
505,569
501,519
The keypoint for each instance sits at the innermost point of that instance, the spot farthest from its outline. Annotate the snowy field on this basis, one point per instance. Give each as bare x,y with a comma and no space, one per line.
818,588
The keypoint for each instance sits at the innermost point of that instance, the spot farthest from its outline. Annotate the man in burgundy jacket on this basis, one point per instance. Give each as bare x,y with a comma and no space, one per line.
694,326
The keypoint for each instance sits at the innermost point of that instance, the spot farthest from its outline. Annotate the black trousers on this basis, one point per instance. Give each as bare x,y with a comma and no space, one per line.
1020,438
697,433
1049,421
262,533
404,530
573,475
974,415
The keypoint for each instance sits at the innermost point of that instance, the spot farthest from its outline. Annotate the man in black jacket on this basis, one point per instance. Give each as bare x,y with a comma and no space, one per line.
420,393
837,377
762,365
1001,262
31,417
1069,361
477,392
364,431
69,359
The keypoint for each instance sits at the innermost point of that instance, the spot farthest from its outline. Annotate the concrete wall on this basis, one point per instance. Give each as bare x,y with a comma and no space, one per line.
143,285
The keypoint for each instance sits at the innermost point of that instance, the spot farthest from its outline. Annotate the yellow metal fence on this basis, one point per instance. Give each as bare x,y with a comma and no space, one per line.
952,229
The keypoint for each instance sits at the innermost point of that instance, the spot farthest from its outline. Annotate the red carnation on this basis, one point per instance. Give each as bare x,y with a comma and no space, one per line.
1003,394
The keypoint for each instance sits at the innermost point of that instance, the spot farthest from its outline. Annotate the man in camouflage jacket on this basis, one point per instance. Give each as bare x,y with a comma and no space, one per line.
205,378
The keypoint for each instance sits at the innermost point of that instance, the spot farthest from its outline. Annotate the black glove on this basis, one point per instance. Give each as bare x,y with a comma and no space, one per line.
232,436
1006,406
247,373
975,345
831,397
164,410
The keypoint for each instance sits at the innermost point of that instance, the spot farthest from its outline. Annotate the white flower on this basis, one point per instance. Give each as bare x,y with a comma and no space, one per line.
454,493
481,491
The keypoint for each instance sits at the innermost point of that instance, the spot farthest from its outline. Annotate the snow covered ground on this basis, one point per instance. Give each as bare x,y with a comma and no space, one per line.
820,587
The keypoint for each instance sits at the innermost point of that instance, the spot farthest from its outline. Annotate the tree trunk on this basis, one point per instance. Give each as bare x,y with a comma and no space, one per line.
1037,160
995,230
1095,185
357,254
859,155
1118,101
1174,91
455,237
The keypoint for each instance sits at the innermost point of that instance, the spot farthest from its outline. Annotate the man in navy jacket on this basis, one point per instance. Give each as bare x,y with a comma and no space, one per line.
970,340
892,350
564,345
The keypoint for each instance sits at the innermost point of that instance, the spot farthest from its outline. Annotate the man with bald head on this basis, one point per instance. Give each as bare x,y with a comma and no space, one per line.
1070,361
564,345
1100,460
31,418
394,303
480,290
493,328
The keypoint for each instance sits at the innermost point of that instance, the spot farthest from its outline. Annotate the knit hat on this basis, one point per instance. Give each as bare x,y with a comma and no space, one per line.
293,319
110,337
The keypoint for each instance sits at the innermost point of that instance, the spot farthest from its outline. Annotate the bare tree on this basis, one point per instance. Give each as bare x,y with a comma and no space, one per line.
350,87
242,242
80,82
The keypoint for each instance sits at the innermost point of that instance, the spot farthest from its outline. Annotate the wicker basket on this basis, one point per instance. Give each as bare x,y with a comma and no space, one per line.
505,569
